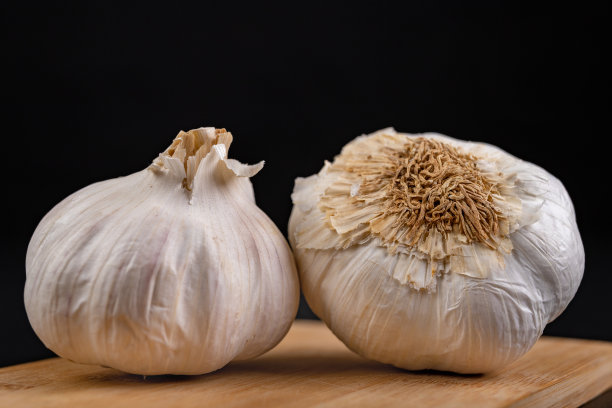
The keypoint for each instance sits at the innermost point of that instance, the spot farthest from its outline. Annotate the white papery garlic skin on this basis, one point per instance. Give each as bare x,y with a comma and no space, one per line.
170,270
468,289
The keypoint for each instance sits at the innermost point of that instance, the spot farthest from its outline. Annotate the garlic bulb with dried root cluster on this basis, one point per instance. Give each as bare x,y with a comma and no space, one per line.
170,270
427,252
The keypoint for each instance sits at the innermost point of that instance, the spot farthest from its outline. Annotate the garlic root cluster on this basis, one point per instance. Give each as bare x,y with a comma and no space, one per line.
427,252
170,270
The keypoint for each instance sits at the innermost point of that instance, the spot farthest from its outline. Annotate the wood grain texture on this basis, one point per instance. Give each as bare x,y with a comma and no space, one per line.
312,368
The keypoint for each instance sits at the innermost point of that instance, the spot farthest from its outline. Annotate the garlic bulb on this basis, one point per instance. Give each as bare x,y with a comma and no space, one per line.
427,252
170,270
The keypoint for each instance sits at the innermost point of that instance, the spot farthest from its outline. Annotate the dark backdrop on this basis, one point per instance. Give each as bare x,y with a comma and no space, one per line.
97,91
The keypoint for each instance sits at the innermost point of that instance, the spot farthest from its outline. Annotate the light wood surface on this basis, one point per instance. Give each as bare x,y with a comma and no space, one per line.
312,368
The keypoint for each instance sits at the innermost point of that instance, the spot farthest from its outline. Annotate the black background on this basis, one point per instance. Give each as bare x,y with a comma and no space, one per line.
95,91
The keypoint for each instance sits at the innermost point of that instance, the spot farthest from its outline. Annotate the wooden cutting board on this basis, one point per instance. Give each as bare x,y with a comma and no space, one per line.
312,368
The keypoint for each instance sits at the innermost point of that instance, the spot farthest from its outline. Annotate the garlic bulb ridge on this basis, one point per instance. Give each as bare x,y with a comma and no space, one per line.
170,270
425,251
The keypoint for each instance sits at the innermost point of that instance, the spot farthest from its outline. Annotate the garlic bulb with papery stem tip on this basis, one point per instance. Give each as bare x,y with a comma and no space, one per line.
170,270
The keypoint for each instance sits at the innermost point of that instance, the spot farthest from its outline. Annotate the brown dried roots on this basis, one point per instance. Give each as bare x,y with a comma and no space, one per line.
419,187
434,186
